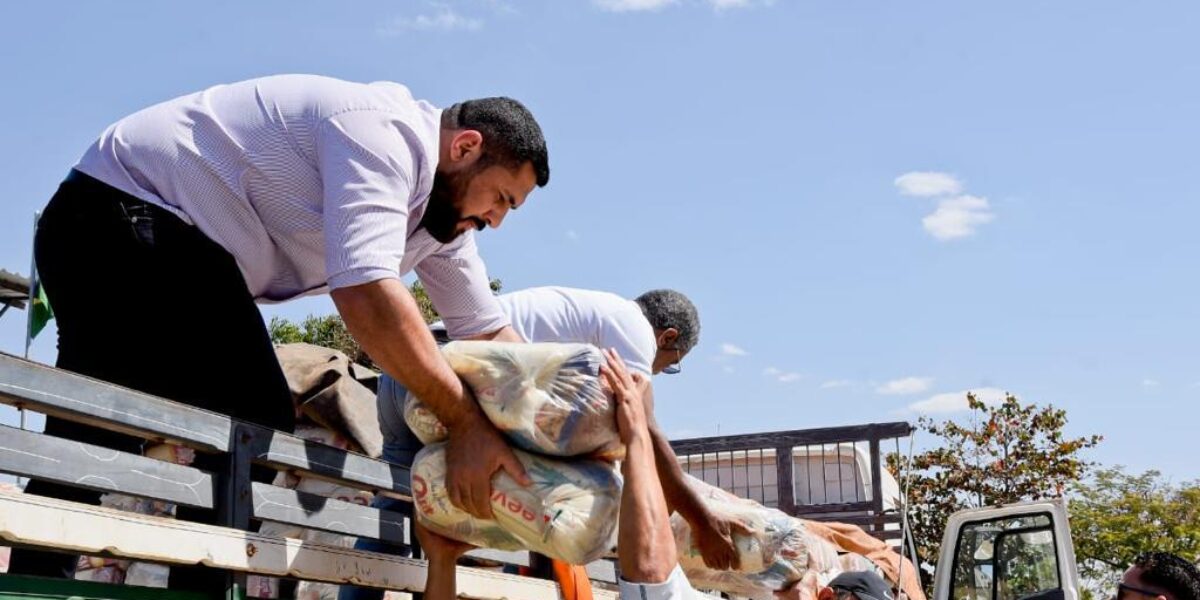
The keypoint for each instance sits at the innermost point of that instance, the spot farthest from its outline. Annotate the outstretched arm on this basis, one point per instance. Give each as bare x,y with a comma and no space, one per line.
645,544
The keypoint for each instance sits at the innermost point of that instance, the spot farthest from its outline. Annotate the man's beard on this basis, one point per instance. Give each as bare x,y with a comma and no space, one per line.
443,211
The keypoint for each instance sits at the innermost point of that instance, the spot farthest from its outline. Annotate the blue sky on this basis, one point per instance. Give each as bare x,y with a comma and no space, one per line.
872,203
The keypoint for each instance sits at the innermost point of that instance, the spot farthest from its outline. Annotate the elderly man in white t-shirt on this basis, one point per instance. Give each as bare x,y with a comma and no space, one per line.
645,544
652,334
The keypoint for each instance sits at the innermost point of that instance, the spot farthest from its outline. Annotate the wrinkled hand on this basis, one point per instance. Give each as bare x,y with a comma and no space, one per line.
714,538
437,546
629,393
476,451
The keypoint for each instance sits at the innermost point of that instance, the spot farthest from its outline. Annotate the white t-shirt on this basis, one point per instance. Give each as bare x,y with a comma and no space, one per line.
559,314
676,587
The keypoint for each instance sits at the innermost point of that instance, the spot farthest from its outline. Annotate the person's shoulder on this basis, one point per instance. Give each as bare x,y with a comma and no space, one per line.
328,98
587,298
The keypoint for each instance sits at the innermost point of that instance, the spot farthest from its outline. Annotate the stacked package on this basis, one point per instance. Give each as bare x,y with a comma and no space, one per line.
778,552
263,586
569,512
546,398
131,572
549,400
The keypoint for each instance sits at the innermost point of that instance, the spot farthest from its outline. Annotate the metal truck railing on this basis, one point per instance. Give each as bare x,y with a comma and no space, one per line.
827,474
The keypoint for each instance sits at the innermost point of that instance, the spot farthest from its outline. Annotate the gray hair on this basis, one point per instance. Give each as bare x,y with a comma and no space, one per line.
669,308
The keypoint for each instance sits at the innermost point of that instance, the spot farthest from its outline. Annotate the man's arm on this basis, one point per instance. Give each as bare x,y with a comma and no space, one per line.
383,317
443,553
713,535
645,544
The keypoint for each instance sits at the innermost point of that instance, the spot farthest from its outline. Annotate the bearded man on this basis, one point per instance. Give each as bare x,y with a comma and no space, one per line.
181,217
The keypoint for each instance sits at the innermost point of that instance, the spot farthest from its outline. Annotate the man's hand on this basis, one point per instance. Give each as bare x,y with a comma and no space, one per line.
714,538
384,318
475,453
629,392
438,547
443,553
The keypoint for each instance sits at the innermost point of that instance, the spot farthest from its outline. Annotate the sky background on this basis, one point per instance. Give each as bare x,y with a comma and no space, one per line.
873,204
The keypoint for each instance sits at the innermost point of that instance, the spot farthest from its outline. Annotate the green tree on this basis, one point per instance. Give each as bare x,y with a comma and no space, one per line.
1009,452
330,332
1115,516
327,331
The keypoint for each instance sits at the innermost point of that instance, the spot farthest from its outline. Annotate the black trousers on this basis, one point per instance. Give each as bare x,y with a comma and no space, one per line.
146,301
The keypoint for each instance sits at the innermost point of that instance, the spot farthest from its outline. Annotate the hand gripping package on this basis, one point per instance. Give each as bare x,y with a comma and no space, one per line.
547,398
778,552
568,513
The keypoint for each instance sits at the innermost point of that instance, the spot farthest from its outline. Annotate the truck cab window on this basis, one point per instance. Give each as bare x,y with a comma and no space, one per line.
1010,558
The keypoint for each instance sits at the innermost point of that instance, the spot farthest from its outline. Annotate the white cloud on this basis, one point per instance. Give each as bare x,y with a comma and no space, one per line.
502,7
781,375
905,386
572,235
957,217
927,184
729,369
836,383
444,20
727,4
956,401
1150,383
731,350
632,5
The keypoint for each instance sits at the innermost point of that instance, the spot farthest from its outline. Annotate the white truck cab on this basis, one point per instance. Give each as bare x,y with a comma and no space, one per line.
1015,552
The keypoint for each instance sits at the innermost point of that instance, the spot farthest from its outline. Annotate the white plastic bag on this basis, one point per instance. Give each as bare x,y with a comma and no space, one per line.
423,423
113,570
262,586
568,513
546,398
777,553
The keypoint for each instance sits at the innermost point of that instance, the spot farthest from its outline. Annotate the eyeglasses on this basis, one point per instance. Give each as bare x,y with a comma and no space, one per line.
1123,588
677,366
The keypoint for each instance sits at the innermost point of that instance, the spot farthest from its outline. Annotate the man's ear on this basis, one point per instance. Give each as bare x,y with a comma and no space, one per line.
466,145
666,339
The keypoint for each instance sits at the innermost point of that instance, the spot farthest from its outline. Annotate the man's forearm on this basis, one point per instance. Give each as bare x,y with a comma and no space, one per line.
384,319
680,496
645,544
440,579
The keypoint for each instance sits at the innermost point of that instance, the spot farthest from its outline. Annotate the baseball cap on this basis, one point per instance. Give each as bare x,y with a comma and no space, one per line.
867,585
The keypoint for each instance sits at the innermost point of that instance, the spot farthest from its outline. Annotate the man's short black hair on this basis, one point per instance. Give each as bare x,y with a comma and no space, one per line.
511,136
1170,573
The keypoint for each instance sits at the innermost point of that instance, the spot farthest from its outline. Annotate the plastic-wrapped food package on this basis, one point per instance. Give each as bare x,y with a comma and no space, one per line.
857,562
568,513
547,398
423,423
261,586
777,553
112,570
